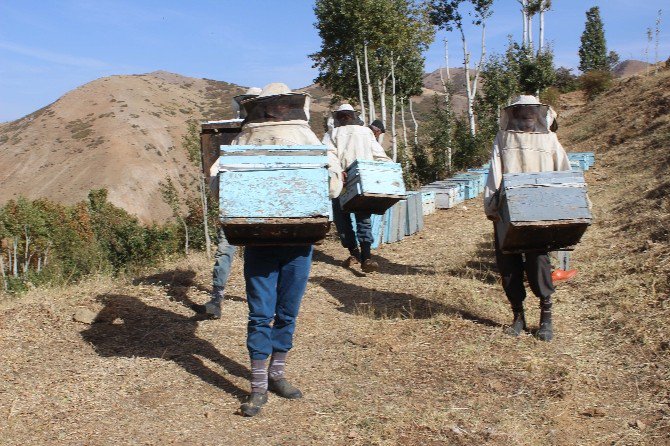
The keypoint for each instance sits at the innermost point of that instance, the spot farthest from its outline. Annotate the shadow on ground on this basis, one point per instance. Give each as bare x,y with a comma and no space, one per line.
379,304
481,267
128,328
385,266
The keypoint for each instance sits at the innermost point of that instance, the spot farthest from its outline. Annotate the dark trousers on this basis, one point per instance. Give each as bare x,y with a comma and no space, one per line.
276,278
537,267
345,227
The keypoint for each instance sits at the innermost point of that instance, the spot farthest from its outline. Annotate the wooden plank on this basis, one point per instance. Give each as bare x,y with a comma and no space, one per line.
275,232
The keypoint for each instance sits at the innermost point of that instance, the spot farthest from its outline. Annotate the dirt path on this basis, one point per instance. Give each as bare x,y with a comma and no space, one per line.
414,355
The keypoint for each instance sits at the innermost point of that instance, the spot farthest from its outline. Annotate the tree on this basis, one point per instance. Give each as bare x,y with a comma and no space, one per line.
593,49
171,198
565,80
447,15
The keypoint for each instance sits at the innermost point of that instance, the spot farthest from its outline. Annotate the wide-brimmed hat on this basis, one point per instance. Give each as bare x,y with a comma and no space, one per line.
525,99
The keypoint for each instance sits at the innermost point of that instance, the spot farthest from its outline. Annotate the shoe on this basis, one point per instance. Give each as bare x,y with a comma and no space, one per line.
546,331
284,389
350,262
253,404
518,325
370,266
213,309
559,274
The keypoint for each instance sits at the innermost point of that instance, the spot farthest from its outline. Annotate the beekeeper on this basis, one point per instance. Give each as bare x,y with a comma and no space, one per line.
377,127
524,143
225,252
351,141
276,276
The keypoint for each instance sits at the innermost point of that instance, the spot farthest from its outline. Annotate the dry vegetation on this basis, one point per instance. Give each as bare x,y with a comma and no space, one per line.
414,355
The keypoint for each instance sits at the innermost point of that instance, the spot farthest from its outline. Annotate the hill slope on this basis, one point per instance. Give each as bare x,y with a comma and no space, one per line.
413,355
120,132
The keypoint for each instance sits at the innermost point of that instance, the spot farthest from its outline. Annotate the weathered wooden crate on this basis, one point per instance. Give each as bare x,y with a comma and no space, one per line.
478,183
214,134
372,186
274,195
471,189
428,202
446,195
377,222
589,157
414,215
541,212
395,220
576,165
582,161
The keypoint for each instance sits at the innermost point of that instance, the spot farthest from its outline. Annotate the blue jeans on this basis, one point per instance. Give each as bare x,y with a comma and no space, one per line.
276,278
223,260
345,227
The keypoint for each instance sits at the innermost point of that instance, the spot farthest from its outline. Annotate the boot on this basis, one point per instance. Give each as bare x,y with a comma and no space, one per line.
367,264
284,389
518,324
259,389
252,405
546,332
353,259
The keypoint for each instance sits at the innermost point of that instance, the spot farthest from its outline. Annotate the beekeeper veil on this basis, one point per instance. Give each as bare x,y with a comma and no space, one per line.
345,115
526,114
277,103
238,110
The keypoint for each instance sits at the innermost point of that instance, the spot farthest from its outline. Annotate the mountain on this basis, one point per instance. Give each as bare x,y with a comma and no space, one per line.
630,67
123,133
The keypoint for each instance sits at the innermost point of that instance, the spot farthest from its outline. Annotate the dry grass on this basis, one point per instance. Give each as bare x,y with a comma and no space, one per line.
414,355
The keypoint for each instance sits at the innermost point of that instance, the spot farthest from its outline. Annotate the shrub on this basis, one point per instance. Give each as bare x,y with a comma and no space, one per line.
595,82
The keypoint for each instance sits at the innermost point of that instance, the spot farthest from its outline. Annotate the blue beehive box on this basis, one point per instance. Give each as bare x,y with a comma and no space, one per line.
428,201
274,195
479,181
541,212
377,223
470,187
394,222
414,214
372,186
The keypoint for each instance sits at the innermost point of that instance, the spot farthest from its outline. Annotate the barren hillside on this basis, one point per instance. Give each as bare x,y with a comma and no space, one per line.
120,132
412,355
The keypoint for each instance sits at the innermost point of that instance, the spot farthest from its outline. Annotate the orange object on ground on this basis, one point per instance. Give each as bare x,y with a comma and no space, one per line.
559,274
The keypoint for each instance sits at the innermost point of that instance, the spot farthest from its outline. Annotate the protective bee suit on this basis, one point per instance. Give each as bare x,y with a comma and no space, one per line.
276,276
351,140
533,149
524,143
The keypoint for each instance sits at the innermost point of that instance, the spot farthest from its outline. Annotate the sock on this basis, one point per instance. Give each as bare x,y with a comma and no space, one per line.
277,365
365,251
259,376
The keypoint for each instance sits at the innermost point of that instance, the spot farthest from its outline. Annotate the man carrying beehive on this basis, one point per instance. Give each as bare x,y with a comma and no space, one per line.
225,252
276,276
351,141
525,144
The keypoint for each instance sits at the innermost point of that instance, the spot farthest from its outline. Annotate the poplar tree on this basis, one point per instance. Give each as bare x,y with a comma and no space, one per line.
593,50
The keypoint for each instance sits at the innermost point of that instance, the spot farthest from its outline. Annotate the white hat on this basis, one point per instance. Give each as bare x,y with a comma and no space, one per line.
253,91
274,89
345,107
525,99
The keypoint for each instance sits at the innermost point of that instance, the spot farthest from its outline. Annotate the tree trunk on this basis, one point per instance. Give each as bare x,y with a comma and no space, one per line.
530,32
382,100
361,99
541,46
39,263
46,256
371,97
186,241
449,160
468,87
446,62
481,61
205,214
394,138
26,253
524,40
16,257
2,268
416,124
402,118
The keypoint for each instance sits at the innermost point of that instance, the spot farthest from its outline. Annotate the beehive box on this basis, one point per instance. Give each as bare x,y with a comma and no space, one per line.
274,195
372,186
478,180
446,195
541,212
394,222
377,223
414,214
470,188
214,134
428,202
588,157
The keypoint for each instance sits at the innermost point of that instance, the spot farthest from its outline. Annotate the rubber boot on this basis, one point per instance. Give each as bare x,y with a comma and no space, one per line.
546,331
518,324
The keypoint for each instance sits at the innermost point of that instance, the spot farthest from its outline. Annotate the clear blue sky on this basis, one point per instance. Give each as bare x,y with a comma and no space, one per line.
50,47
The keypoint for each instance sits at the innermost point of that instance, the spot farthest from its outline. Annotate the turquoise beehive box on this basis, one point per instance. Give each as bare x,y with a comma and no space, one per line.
274,195
372,186
541,212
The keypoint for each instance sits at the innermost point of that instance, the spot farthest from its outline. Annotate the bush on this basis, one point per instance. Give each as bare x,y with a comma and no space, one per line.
595,82
551,96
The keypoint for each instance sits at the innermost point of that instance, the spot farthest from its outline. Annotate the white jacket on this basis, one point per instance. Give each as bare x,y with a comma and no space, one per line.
516,152
288,133
352,142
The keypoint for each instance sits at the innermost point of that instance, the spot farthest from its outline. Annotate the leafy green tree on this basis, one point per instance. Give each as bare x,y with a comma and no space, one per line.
593,49
565,80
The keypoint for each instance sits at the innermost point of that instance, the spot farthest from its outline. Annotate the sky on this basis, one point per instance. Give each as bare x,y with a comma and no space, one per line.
48,48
